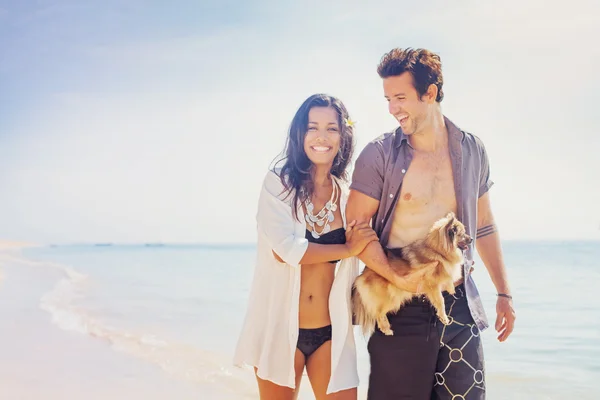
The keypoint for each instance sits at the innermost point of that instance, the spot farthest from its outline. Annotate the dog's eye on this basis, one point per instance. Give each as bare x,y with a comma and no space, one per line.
451,233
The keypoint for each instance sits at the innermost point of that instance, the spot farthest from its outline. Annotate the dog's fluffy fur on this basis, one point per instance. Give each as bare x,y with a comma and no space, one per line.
438,257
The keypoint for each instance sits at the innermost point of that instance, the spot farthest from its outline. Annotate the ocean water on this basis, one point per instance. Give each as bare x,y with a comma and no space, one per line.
177,311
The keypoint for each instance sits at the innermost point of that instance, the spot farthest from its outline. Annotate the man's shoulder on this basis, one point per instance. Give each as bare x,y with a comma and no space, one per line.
475,148
381,144
385,139
467,138
473,140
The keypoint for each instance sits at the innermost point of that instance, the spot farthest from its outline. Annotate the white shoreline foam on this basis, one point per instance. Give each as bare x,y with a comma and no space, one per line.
179,360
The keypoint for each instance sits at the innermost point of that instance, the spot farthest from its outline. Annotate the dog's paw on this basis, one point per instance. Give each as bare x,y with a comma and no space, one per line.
388,332
445,320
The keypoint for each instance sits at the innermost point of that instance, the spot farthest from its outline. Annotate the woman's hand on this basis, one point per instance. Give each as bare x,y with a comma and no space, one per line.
358,236
277,256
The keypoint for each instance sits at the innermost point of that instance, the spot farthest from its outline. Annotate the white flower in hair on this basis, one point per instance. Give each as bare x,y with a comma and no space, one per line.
349,123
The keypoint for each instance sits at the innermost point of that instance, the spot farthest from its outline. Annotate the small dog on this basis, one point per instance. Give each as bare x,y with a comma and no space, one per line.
438,258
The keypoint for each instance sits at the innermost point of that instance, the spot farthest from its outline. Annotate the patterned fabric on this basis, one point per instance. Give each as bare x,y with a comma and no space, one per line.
460,373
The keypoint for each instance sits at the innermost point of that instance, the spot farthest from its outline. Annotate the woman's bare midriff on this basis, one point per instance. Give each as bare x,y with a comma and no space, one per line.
315,285
316,280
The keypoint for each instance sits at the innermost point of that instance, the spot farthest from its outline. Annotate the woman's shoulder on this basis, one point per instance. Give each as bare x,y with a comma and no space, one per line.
344,186
274,184
273,175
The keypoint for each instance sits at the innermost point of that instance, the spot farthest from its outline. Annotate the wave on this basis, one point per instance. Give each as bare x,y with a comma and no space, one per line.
180,360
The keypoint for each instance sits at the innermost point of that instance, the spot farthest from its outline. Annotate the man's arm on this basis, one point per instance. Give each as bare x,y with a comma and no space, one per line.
362,208
488,246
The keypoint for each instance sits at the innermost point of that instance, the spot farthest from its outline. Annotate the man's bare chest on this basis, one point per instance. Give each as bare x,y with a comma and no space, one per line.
428,183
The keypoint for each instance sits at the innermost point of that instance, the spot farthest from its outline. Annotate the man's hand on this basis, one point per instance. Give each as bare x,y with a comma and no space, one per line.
505,319
488,246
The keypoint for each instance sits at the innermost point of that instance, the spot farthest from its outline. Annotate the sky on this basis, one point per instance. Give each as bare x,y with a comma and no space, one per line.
146,121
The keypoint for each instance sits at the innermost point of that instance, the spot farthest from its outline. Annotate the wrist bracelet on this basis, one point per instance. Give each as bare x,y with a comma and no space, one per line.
508,296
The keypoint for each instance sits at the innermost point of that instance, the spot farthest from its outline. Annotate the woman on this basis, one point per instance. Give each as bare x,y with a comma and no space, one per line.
299,312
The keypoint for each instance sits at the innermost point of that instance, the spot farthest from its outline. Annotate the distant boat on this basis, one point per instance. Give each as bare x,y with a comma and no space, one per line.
103,244
154,245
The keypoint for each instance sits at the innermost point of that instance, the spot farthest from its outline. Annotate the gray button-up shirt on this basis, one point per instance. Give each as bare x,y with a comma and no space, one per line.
380,170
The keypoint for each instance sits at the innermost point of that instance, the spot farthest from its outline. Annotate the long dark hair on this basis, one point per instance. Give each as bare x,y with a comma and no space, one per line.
295,173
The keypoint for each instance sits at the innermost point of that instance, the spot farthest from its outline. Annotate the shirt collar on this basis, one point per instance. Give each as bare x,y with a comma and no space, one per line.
454,132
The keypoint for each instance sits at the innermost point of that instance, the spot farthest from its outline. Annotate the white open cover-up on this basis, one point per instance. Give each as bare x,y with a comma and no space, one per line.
270,330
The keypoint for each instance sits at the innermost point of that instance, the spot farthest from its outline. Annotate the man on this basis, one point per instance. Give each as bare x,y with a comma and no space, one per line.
403,182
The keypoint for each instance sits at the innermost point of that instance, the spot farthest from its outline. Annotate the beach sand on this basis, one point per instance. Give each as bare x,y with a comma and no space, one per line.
41,361
7,246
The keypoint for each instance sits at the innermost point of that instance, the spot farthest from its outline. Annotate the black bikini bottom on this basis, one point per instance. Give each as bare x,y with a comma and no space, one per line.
309,340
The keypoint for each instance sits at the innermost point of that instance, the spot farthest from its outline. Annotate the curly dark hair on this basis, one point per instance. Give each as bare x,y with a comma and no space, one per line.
295,173
424,66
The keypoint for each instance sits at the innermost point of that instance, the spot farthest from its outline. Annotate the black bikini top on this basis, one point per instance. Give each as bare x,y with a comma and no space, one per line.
336,236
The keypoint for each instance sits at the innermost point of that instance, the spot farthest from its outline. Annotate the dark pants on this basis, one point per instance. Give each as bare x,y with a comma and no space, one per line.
425,359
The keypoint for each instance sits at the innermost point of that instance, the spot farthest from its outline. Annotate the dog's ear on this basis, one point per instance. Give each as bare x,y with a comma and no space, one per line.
452,231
